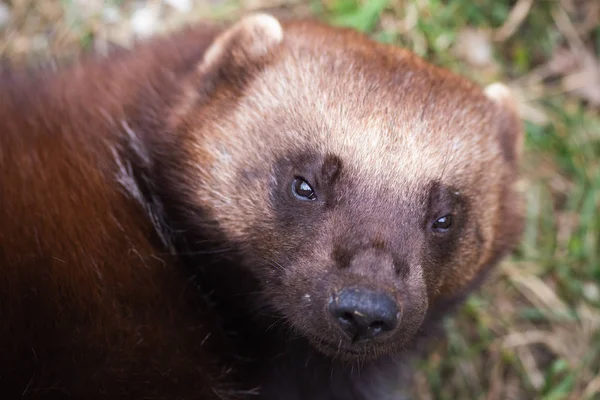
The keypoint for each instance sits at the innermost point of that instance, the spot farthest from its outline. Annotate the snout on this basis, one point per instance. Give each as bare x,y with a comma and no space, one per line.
363,314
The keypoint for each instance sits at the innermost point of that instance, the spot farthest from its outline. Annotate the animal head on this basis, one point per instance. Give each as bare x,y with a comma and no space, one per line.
362,186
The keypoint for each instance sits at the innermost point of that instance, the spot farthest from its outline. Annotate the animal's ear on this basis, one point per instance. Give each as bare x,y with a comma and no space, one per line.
244,44
508,121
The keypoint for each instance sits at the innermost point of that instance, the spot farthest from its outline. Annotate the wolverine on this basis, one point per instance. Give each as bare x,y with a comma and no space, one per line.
273,210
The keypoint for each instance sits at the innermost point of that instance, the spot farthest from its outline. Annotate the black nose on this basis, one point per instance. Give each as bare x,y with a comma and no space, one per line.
363,313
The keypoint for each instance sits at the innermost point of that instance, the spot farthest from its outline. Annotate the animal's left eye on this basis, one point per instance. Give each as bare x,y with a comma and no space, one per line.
442,224
302,189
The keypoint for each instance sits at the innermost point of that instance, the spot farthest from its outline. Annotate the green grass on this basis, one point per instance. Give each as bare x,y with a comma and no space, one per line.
533,332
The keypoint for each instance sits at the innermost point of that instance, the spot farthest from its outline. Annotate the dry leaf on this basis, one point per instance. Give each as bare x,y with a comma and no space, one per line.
579,71
475,47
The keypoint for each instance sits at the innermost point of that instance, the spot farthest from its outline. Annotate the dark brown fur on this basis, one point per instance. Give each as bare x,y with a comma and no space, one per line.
149,247
92,301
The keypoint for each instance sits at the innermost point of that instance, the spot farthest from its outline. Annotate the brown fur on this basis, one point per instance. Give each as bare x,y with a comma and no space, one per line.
149,241
91,300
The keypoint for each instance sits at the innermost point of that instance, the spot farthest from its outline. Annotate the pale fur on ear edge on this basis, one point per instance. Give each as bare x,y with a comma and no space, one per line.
251,38
501,95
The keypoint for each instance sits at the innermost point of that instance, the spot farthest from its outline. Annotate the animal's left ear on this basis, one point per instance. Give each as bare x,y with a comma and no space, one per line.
508,121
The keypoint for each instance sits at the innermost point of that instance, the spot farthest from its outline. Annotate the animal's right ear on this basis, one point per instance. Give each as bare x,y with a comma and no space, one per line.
244,45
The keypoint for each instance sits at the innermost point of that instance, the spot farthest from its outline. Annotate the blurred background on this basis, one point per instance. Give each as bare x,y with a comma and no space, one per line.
533,331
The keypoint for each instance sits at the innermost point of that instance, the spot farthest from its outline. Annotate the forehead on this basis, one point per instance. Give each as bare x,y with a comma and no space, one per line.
390,117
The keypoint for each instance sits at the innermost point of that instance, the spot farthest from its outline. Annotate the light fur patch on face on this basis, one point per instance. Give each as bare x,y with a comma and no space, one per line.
370,129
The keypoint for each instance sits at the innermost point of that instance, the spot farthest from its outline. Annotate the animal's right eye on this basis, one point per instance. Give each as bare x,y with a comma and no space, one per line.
302,189
442,224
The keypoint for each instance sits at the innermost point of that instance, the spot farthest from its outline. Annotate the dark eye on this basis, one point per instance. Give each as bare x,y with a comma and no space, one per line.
302,189
442,224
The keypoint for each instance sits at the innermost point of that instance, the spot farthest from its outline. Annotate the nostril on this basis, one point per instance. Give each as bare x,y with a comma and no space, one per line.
346,317
377,326
363,313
